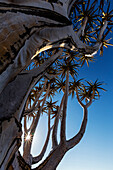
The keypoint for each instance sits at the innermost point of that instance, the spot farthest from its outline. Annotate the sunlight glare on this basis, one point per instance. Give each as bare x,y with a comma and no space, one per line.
28,137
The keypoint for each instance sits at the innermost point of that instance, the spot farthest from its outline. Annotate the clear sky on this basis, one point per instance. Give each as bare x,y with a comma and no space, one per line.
95,151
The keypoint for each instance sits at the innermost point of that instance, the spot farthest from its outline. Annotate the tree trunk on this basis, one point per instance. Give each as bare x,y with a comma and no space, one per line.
54,158
24,30
12,106
28,28
19,163
10,141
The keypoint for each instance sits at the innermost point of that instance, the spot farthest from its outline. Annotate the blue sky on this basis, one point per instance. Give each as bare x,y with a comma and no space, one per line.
95,151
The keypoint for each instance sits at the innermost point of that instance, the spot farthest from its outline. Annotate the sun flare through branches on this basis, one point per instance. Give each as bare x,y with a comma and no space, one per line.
28,137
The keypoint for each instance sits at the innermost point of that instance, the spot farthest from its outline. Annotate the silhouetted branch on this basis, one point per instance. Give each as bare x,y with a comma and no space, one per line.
76,139
55,127
40,156
63,122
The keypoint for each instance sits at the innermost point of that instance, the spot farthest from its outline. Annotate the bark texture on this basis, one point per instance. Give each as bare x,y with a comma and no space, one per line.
26,29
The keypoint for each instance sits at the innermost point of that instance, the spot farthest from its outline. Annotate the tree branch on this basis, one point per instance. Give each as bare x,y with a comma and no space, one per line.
102,30
44,33
37,98
82,28
20,88
27,144
33,121
76,139
46,64
39,112
25,126
40,156
31,110
55,127
70,3
77,95
63,122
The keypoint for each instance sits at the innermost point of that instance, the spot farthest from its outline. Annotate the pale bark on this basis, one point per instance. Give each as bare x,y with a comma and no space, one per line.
19,163
18,90
20,37
28,29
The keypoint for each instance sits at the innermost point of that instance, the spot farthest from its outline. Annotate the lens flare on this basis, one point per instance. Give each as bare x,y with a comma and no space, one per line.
28,137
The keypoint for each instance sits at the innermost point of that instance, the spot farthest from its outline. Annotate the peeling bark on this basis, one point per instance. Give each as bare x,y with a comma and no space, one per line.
28,29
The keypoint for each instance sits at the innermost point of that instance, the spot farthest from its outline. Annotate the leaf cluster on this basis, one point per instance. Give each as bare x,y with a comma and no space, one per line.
97,14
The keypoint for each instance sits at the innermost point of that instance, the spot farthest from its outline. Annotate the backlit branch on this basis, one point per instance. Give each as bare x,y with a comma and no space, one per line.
32,109
34,106
63,122
33,121
39,112
55,127
76,139
77,95
40,156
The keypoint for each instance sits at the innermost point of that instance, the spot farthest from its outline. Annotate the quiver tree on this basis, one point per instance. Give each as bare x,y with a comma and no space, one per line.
85,94
29,28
